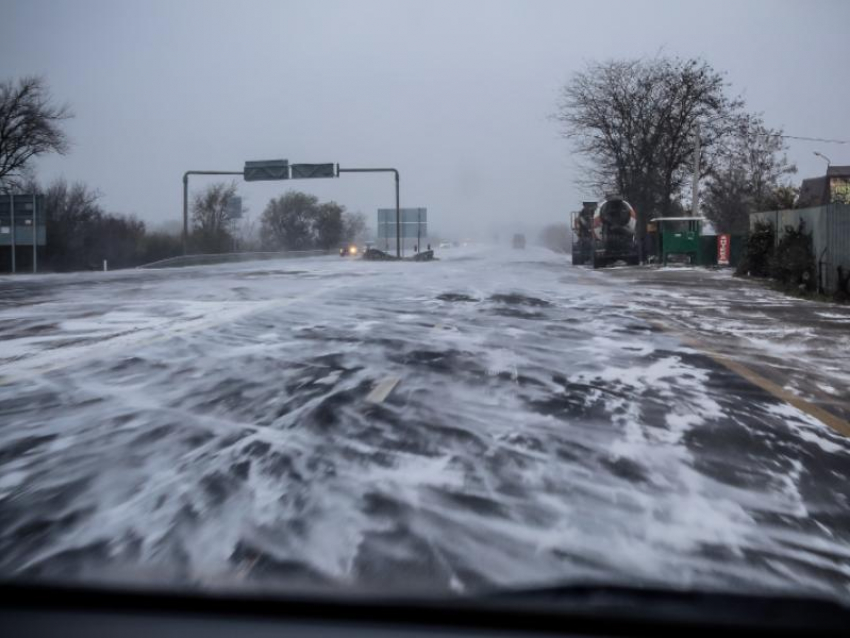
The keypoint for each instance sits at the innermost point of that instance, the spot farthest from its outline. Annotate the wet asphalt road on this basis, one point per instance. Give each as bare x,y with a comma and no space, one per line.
218,426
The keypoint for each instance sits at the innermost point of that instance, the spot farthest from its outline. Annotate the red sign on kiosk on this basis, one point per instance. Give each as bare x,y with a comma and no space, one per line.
723,244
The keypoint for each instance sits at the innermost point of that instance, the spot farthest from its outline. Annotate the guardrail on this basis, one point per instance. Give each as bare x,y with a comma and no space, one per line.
227,258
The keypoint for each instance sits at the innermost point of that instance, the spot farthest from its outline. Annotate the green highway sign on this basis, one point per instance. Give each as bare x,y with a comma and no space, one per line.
414,223
305,171
266,170
18,218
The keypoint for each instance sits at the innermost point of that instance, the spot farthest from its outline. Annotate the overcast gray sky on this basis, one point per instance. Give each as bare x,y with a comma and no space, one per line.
456,95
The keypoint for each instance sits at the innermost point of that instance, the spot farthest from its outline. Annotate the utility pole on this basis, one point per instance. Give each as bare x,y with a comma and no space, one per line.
695,194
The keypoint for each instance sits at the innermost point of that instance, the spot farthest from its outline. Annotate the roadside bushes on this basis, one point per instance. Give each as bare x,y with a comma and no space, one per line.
758,252
791,263
159,245
299,221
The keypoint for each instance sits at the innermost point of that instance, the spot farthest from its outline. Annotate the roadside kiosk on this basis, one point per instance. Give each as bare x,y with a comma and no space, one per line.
679,237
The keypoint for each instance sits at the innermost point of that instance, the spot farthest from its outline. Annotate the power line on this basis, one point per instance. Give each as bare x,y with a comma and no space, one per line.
805,139
782,135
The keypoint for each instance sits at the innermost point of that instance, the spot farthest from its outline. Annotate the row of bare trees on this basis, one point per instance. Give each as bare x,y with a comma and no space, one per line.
293,221
82,234
635,124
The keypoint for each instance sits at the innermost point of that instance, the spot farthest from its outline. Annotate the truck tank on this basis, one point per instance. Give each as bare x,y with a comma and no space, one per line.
614,223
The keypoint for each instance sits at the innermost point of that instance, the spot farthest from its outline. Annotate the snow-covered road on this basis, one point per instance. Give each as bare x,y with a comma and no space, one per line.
218,426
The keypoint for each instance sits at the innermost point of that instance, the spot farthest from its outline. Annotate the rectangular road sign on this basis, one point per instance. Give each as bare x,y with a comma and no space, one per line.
23,215
266,170
307,171
234,207
414,223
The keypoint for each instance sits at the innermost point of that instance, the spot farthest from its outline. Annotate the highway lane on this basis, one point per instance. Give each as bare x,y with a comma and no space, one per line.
496,418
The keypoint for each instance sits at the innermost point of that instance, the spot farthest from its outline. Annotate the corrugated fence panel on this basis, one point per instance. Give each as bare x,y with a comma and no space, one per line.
829,227
837,233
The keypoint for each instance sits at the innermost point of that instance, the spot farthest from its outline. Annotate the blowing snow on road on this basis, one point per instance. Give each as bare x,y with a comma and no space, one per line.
495,418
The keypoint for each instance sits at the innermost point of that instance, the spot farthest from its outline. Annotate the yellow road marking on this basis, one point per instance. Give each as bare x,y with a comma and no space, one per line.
836,423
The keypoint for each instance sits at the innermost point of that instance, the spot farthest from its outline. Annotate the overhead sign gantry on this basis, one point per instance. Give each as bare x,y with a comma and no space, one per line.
272,170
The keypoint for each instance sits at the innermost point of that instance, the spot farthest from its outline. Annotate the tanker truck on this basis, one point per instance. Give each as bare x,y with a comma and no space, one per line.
582,227
614,222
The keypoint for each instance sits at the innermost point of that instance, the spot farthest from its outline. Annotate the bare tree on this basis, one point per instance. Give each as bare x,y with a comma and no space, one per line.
299,221
212,216
81,234
287,221
328,225
29,126
727,201
71,212
748,176
634,121
760,151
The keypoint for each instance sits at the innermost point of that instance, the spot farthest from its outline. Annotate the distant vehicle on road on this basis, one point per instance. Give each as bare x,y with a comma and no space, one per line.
445,244
349,251
614,222
518,241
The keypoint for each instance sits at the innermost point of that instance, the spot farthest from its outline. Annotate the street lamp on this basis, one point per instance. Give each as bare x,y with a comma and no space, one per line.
824,157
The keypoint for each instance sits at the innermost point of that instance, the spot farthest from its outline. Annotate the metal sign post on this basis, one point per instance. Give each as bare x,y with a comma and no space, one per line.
397,205
186,200
23,218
